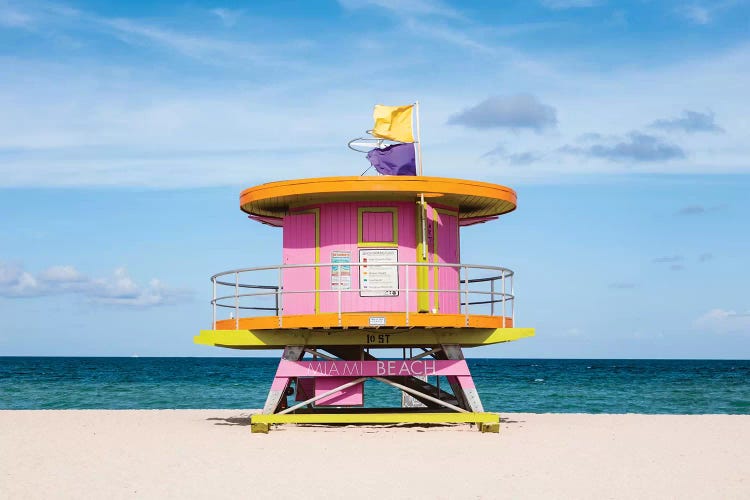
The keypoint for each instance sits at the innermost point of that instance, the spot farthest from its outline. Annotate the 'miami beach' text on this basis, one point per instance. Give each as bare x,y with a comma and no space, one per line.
379,368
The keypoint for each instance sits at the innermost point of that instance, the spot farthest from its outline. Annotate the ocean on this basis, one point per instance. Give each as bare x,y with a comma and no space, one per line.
505,385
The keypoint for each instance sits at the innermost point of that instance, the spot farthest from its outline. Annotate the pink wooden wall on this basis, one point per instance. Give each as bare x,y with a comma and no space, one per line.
377,226
447,252
299,248
339,232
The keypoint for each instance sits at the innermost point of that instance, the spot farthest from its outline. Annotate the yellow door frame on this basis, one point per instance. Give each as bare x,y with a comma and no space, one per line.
423,256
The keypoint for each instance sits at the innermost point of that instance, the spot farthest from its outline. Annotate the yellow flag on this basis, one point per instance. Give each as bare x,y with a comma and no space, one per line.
393,122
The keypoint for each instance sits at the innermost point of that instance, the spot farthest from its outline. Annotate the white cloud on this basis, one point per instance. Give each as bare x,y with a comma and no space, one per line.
448,34
435,20
149,124
668,260
690,121
723,321
696,13
512,112
499,155
423,7
118,289
60,22
705,257
635,147
704,13
570,4
228,16
692,210
199,47
10,17
15,282
62,274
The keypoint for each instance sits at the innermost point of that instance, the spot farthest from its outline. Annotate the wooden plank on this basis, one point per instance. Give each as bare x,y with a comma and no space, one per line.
463,384
278,388
376,418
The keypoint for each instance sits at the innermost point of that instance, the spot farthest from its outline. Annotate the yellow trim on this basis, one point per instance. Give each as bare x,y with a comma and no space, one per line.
423,276
394,216
315,211
376,418
418,337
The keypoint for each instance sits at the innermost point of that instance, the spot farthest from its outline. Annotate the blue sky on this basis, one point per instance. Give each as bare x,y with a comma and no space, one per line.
128,129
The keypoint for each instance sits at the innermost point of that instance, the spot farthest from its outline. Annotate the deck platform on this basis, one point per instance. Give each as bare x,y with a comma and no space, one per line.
365,320
383,337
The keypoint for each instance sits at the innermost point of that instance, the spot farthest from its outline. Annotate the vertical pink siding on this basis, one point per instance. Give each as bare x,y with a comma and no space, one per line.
447,252
429,234
338,232
377,227
299,248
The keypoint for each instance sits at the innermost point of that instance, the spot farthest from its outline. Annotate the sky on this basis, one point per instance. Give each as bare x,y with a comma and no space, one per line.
128,129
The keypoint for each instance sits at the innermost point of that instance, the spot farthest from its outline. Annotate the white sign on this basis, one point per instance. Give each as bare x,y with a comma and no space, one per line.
378,281
377,320
341,274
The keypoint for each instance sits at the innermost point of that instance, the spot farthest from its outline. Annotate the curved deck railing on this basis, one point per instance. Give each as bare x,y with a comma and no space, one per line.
481,289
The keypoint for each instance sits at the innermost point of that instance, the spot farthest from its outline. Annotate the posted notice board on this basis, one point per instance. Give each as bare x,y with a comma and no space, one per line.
378,281
341,273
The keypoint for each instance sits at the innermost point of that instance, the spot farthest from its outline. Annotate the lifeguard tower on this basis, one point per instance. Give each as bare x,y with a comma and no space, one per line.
370,265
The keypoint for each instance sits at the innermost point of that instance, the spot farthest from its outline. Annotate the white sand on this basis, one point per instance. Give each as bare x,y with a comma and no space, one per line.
212,454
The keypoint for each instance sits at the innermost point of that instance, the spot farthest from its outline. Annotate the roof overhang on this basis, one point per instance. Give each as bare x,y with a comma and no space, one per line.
472,198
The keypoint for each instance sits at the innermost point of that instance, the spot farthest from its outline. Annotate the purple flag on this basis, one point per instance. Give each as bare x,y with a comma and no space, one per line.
397,159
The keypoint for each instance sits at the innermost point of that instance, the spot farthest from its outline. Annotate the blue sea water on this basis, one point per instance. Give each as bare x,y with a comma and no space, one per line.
505,385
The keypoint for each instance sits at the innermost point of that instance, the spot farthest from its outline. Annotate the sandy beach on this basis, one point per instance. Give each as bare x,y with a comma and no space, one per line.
211,453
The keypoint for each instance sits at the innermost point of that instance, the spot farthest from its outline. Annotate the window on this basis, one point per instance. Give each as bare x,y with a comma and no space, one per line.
377,227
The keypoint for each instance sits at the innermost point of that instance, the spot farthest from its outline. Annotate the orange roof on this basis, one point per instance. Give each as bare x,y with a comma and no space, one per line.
473,198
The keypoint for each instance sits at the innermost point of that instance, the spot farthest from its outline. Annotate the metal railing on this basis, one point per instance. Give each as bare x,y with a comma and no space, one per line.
489,292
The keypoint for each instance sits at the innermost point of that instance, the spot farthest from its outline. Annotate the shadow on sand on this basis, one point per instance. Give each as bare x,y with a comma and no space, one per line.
245,421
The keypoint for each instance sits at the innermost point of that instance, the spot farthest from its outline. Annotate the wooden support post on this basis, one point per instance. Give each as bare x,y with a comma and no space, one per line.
458,393
259,427
463,385
493,427
279,386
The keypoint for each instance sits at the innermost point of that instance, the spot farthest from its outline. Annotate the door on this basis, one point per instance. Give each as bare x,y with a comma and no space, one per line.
298,284
445,236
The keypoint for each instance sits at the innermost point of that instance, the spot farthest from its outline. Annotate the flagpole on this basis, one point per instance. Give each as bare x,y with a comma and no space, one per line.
421,195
